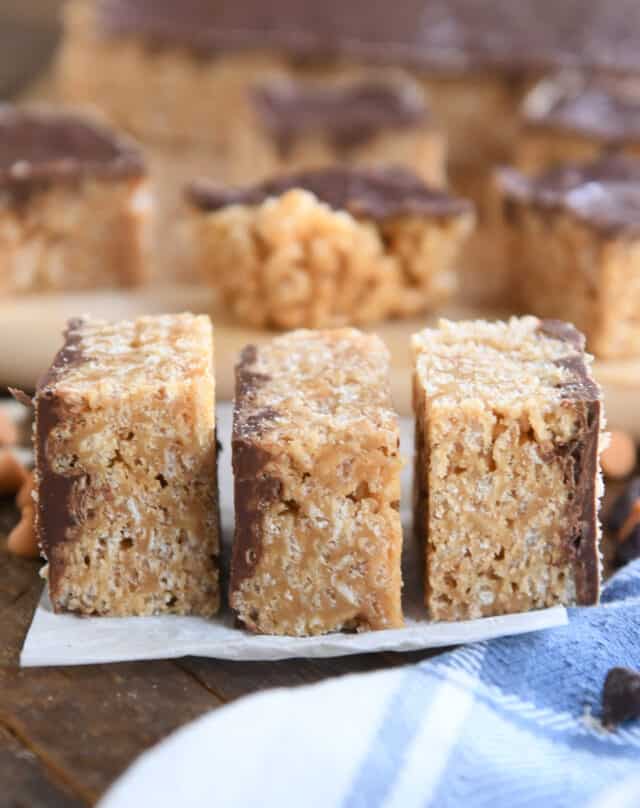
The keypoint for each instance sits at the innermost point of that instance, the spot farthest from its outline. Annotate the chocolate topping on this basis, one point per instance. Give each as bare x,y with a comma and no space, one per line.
579,459
55,491
565,332
607,108
40,147
368,193
254,488
438,34
604,193
348,115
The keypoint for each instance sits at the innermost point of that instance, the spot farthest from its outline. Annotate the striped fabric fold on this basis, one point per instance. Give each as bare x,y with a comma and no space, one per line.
513,721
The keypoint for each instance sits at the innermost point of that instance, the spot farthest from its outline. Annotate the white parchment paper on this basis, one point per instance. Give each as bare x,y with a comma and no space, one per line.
71,640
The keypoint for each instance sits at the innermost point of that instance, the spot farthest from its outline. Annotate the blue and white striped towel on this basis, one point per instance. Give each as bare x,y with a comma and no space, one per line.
509,722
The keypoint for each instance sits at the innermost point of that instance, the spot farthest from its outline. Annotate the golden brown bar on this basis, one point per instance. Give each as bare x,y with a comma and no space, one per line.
317,486
330,247
74,204
127,512
507,480
572,244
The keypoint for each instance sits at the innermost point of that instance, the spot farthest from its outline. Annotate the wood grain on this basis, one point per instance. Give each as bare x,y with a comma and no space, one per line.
25,781
88,724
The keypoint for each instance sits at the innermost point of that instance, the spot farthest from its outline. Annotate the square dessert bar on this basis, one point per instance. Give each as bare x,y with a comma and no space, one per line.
573,116
330,247
507,480
316,462
572,242
127,513
74,204
357,117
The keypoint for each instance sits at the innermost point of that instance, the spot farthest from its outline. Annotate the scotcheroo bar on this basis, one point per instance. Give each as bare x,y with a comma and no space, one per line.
369,118
575,117
572,245
127,510
507,480
74,204
331,247
317,486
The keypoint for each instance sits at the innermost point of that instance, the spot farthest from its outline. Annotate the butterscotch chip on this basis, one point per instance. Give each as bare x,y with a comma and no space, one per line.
572,238
8,430
12,473
125,476
316,463
508,424
74,204
22,540
619,458
330,247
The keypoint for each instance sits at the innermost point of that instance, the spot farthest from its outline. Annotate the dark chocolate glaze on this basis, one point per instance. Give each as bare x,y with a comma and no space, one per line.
579,460
565,332
39,148
604,193
55,491
348,116
369,193
254,487
604,108
451,35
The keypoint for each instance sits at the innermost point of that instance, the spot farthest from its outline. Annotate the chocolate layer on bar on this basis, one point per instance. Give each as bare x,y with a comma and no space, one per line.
605,193
605,108
254,490
39,147
347,115
579,459
369,193
55,512
439,34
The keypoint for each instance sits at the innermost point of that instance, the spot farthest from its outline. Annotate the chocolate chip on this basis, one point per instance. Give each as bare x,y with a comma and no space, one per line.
620,696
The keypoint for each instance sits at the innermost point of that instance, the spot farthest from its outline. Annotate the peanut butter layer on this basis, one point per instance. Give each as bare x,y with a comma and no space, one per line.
317,485
572,244
329,248
508,424
126,468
